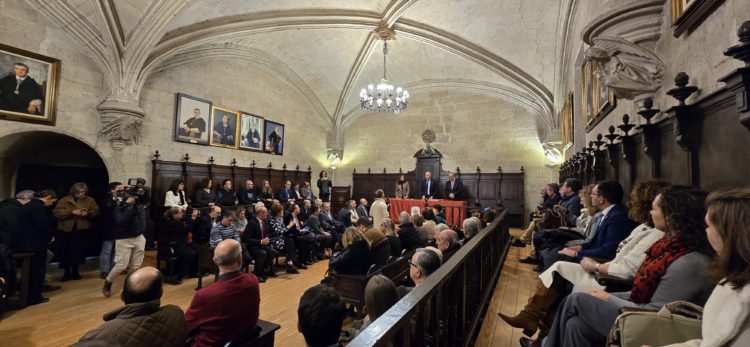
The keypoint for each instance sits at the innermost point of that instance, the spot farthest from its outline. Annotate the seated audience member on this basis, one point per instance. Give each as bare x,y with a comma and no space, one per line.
226,195
675,269
36,227
550,198
436,251
418,221
348,214
302,237
388,228
726,321
329,223
248,195
563,277
408,235
447,242
297,194
142,321
380,295
179,233
373,236
640,199
225,229
429,225
570,204
322,238
258,243
222,311
612,229
320,315
587,216
266,193
422,264
439,212
175,196
471,227
241,222
305,210
282,242
286,194
306,192
354,259
205,196
203,225
362,209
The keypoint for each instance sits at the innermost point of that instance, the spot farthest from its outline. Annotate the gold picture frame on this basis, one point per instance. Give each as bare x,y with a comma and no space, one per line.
597,99
566,122
224,134
34,98
689,14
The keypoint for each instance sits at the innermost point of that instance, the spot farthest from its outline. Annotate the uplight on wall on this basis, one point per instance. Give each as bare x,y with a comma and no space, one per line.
552,156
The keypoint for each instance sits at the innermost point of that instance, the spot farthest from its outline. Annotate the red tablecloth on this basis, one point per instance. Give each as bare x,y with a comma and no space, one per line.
454,209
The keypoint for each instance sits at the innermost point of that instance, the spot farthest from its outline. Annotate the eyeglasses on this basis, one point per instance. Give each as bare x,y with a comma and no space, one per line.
414,265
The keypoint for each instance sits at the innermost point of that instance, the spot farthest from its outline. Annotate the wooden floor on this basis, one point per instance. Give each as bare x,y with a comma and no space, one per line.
516,284
79,306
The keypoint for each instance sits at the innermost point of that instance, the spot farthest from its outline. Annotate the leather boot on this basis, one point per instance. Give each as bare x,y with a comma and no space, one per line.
528,319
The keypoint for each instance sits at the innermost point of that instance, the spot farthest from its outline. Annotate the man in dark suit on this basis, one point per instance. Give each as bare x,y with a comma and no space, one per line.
20,93
330,224
429,188
362,208
252,138
305,210
452,187
219,312
408,235
257,241
286,194
348,214
614,225
248,195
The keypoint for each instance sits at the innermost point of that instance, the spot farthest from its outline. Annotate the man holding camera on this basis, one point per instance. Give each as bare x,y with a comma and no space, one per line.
130,224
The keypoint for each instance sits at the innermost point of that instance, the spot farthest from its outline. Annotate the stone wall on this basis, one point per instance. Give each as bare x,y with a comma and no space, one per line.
472,130
698,53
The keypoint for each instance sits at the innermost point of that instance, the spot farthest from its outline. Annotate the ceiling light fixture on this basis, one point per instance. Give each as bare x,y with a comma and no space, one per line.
384,97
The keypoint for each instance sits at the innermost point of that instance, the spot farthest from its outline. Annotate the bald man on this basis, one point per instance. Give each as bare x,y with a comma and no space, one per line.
141,322
223,310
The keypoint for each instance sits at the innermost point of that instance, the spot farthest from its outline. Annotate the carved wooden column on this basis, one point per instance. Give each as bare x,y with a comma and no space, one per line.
628,146
651,137
252,174
739,80
686,124
210,167
613,151
598,159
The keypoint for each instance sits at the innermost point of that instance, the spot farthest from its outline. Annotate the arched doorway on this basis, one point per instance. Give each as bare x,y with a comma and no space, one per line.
39,160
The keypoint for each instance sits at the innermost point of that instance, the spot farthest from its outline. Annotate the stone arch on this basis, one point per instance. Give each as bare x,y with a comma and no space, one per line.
25,155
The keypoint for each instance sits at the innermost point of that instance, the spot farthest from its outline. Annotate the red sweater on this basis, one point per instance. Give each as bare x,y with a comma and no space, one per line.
221,311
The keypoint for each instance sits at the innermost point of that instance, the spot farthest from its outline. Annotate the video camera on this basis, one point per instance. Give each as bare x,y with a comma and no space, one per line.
133,189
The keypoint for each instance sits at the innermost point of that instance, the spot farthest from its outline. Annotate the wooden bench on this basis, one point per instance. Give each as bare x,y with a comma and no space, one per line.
352,287
21,299
262,336
206,264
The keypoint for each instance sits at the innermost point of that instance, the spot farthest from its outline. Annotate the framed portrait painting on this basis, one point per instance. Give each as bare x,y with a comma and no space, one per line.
28,86
191,119
587,93
274,141
566,122
605,97
251,132
689,14
223,127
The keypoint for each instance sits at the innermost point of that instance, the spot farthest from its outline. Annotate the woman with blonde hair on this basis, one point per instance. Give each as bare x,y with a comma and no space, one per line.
389,229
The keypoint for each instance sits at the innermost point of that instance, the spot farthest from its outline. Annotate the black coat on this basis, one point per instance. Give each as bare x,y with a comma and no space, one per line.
409,237
253,234
201,230
395,244
354,260
36,226
226,197
456,189
176,231
345,217
107,218
28,90
248,197
8,219
130,221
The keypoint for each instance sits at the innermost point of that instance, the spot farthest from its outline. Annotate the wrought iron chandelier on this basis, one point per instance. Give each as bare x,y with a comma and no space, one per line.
384,97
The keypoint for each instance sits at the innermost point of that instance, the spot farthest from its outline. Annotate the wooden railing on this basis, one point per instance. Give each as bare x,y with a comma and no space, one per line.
447,309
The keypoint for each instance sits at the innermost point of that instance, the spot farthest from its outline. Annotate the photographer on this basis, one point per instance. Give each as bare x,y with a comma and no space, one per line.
130,224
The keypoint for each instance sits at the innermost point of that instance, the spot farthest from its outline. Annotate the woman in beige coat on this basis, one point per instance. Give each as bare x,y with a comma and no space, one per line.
402,188
74,213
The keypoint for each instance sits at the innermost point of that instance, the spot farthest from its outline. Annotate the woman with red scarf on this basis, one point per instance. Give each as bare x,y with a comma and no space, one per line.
675,269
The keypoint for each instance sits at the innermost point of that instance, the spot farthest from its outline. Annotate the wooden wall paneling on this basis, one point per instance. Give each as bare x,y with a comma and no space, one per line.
724,153
194,173
221,173
162,176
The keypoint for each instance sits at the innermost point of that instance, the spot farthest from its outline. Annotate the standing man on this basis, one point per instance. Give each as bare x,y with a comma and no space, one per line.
452,187
130,224
20,93
379,209
33,235
429,186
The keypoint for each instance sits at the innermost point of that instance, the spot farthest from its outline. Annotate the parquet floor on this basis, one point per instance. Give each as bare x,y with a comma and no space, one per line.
79,306
516,284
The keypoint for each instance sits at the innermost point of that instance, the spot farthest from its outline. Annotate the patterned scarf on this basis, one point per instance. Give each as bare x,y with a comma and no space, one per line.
658,258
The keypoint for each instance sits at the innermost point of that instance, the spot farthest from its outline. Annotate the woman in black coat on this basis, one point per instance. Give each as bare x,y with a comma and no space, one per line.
180,237
355,258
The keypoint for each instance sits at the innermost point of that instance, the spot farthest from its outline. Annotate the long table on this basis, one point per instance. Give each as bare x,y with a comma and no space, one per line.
455,210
